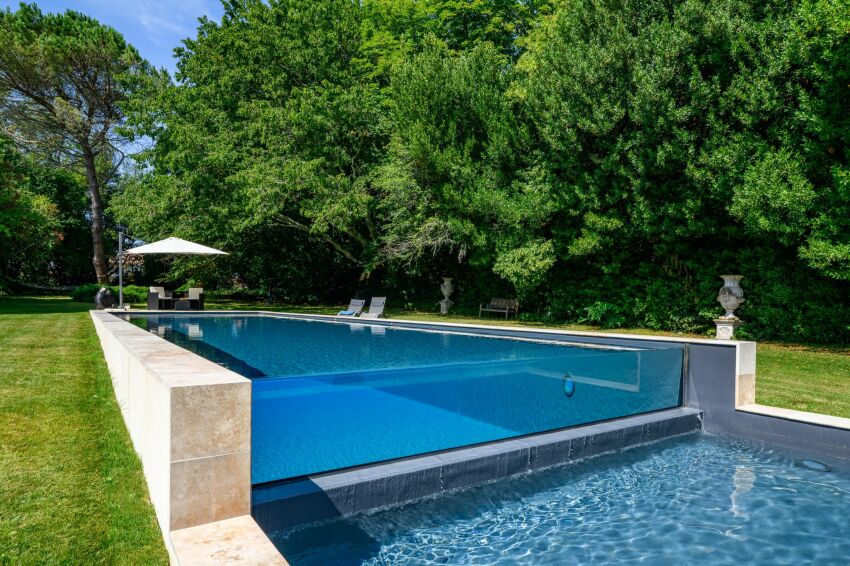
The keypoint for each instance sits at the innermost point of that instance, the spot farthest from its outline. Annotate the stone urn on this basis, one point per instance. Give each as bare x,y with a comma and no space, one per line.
446,289
730,297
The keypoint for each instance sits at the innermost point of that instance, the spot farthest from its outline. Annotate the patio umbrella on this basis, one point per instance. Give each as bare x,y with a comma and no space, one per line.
177,246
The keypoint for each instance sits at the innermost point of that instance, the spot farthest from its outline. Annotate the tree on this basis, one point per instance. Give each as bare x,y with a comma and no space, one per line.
684,138
394,29
463,24
63,78
29,222
275,126
453,181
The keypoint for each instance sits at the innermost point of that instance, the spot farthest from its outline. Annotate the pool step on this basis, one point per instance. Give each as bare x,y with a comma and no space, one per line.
340,494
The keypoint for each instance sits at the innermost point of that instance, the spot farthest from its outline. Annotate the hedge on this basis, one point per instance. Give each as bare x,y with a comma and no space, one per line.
132,293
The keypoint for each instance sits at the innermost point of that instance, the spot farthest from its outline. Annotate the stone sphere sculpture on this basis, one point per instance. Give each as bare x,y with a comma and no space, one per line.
105,299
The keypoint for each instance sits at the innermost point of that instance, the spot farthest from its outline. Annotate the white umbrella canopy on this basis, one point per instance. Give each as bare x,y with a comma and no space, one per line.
175,246
167,246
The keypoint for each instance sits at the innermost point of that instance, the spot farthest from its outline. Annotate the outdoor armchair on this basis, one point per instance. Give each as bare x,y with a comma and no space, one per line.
196,297
158,298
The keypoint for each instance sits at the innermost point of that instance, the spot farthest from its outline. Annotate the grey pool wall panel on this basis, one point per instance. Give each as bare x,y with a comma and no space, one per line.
723,395
344,493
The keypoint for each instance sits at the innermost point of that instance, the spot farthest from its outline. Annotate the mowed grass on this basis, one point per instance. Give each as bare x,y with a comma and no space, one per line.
71,486
805,378
815,379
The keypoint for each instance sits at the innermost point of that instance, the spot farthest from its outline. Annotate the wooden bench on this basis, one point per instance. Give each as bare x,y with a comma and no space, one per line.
506,306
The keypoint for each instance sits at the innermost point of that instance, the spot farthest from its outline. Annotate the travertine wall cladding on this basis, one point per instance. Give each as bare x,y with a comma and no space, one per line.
190,422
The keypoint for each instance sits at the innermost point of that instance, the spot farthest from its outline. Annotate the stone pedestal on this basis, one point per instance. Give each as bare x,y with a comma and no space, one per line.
444,306
446,289
726,327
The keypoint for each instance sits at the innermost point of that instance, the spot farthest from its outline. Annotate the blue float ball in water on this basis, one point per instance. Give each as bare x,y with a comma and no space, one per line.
569,387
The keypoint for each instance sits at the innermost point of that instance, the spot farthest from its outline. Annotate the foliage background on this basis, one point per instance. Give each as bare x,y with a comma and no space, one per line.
603,160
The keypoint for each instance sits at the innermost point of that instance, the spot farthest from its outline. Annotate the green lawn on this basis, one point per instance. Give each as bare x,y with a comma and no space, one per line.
804,378
71,486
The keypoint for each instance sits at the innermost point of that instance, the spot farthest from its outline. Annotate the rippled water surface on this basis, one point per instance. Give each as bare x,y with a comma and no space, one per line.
696,500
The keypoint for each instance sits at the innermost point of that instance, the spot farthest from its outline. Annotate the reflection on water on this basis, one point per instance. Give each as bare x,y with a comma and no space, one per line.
743,480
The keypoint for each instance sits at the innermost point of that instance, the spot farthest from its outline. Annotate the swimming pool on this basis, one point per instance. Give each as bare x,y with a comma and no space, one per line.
330,395
699,499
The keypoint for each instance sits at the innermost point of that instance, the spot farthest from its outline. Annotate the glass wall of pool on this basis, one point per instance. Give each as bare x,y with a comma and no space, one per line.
328,395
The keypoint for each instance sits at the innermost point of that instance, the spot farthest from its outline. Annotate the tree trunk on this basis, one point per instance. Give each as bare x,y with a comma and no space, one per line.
96,202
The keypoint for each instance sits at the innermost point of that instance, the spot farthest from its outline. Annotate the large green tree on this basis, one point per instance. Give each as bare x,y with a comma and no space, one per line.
283,114
273,126
454,184
29,221
684,138
63,78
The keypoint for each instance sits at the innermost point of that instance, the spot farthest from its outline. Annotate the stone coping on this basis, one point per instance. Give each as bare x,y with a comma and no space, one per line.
190,423
233,542
797,416
450,325
172,365
339,494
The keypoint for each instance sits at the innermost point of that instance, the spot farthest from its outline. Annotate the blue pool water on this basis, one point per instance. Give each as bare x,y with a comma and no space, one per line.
333,395
694,500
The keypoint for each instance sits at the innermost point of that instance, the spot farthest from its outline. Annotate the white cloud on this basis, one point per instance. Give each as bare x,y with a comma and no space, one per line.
165,19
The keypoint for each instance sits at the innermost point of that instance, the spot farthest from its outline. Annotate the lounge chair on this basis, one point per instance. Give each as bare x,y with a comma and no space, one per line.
376,308
506,306
161,291
354,308
196,298
158,298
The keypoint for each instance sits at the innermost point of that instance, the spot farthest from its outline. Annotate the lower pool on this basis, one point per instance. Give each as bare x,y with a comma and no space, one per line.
698,499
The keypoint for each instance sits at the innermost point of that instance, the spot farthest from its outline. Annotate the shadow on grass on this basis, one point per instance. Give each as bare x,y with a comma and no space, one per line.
11,305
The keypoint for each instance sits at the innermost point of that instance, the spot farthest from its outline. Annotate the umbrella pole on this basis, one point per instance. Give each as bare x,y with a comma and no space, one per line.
120,269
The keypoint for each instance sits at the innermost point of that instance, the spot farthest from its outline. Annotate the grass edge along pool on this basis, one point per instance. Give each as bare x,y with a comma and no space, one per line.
328,395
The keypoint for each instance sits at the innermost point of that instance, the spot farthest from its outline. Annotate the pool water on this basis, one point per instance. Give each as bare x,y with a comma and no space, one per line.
330,395
277,346
700,499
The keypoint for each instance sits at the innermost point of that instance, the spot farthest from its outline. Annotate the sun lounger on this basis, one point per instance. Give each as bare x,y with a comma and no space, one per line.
376,308
354,308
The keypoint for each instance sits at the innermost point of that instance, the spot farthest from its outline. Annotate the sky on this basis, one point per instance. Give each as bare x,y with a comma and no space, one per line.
154,27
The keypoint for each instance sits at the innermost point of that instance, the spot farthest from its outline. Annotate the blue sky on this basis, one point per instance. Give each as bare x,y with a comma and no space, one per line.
154,27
